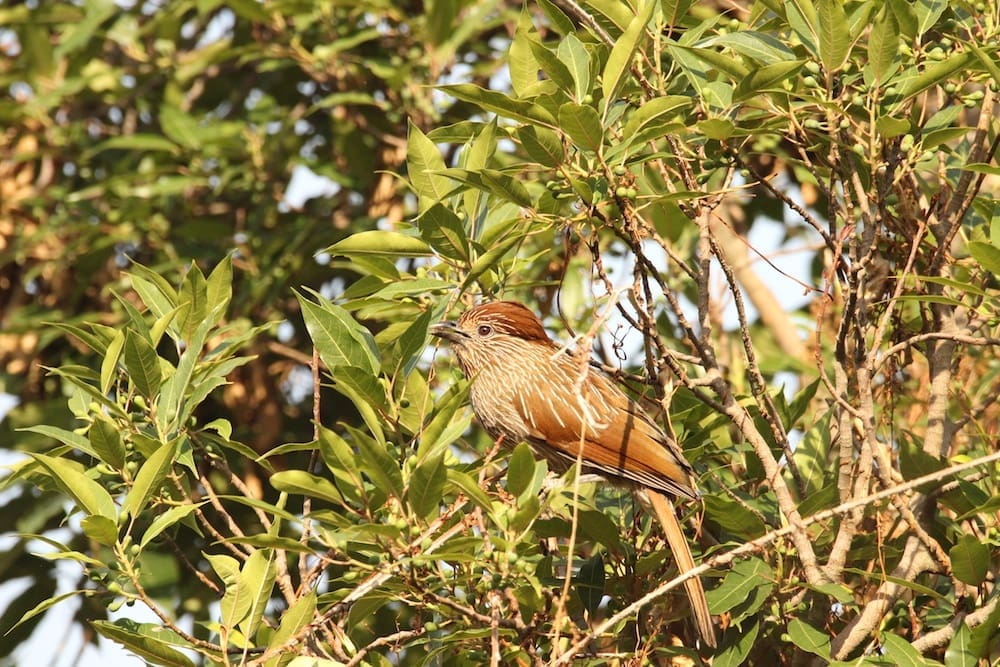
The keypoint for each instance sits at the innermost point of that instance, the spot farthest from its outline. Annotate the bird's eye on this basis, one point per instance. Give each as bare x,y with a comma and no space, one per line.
484,330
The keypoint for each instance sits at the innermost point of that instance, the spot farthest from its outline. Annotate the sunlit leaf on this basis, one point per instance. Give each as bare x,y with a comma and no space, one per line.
88,494
142,364
970,560
617,66
150,477
141,640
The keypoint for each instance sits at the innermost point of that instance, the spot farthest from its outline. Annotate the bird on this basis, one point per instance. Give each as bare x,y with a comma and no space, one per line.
525,387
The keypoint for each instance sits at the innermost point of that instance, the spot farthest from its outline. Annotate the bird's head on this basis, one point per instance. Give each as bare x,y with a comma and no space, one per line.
487,332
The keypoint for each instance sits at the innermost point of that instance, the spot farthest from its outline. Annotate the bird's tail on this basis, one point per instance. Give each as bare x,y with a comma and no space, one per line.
682,554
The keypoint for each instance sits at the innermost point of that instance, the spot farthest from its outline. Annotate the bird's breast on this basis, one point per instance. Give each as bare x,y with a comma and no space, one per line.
495,398
538,400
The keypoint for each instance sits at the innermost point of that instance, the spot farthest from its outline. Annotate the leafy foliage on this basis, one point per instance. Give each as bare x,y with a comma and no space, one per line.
619,179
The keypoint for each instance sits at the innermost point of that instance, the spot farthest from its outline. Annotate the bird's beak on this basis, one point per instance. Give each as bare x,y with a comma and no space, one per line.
449,331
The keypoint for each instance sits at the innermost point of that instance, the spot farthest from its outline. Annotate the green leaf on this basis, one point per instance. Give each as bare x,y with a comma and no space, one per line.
598,527
241,590
134,142
905,583
296,617
915,462
366,607
141,640
589,583
467,485
900,652
765,78
989,61
652,112
341,460
177,397
883,43
719,129
219,288
674,10
101,529
359,384
257,577
620,59
892,127
839,592
906,18
812,455
808,638
442,229
380,467
720,61
984,635
172,516
44,605
542,145
960,652
804,20
760,47
150,477
834,34
158,294
382,244
935,138
936,73
928,12
733,517
560,22
340,339
520,469
136,321
618,15
583,125
107,443
500,104
987,254
161,324
74,440
194,304
497,183
552,66
95,341
427,485
574,55
88,494
109,365
521,62
413,341
528,510
180,127
142,364
740,581
301,483
476,157
970,560
737,642
423,161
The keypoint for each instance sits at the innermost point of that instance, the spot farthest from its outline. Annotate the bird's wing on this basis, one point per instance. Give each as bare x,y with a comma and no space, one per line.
618,438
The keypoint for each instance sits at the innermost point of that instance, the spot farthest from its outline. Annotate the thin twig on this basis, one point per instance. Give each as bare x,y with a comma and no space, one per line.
750,547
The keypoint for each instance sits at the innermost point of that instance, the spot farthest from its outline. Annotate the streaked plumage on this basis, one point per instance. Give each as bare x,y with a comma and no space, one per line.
620,440
524,387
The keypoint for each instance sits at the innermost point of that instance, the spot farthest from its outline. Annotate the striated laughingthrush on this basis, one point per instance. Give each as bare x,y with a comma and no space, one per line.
524,387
